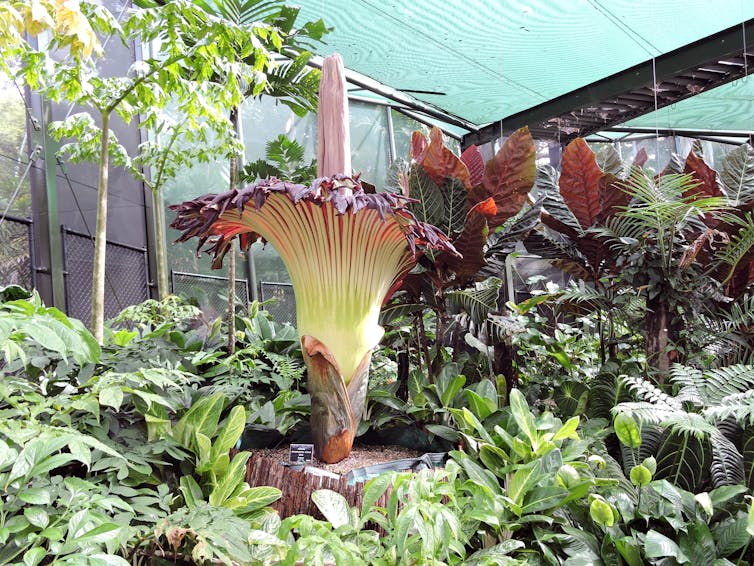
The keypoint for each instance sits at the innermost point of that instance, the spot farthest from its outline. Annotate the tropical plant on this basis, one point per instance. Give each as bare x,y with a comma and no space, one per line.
480,206
346,251
693,434
284,159
178,74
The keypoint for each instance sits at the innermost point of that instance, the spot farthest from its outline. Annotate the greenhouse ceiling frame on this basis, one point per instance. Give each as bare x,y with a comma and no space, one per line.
699,66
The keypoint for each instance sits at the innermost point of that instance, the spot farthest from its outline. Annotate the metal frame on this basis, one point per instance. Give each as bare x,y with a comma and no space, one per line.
173,273
65,230
30,231
669,78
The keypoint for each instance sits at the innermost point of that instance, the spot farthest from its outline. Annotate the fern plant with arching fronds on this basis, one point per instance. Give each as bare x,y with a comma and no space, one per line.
701,426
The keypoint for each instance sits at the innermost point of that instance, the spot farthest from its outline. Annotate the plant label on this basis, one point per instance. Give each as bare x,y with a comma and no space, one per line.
301,453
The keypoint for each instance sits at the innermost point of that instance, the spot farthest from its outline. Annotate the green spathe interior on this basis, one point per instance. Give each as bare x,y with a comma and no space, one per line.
342,267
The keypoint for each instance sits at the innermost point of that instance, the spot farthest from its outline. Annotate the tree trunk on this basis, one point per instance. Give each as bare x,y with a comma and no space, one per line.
100,235
403,373
163,287
504,357
658,332
234,167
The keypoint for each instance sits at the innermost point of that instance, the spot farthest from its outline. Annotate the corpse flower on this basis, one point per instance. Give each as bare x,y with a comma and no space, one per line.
346,251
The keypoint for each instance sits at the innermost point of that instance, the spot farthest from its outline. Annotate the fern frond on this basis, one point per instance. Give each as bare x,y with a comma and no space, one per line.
739,246
725,381
691,424
647,391
739,406
645,413
691,383
477,303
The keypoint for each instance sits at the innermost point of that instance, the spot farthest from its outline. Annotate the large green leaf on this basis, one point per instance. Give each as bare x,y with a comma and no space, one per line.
657,545
727,466
748,454
230,433
524,417
730,534
697,543
203,417
430,207
525,478
231,480
609,160
684,460
333,506
737,176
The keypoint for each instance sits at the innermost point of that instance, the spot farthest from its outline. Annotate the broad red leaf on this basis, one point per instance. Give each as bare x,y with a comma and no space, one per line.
474,163
440,163
742,278
470,243
641,158
553,223
579,182
704,175
418,147
596,251
612,197
509,176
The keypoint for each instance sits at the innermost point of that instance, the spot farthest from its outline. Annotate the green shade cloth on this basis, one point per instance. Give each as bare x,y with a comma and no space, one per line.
484,60
728,108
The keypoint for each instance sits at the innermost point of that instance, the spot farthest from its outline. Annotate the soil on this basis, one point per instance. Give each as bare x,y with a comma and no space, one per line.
360,457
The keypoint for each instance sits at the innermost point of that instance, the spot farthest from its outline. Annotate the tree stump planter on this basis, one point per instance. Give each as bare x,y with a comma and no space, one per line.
297,485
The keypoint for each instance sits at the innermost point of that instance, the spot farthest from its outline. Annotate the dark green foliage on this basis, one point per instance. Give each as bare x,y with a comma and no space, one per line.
684,460
284,159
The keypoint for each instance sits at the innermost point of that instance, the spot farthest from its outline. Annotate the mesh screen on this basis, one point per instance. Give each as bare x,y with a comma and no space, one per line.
126,283
209,293
15,257
483,60
725,108
283,307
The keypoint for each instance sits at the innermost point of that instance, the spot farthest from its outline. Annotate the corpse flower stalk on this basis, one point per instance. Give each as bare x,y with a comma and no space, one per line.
346,251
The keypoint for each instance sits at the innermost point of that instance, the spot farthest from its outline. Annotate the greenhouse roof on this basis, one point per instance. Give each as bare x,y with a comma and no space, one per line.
502,64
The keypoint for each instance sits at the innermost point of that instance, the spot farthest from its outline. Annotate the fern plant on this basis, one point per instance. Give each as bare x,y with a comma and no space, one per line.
284,159
696,434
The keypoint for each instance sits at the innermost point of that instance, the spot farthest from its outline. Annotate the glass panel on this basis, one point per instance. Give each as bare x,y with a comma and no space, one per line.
14,155
265,119
659,151
403,127
369,141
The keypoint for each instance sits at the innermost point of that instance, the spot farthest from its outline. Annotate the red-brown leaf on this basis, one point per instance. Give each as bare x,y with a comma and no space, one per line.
440,163
612,197
418,147
474,163
704,175
470,243
641,158
509,176
579,182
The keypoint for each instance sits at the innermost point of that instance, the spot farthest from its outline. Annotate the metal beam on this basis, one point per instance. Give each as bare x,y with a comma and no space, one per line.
559,117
